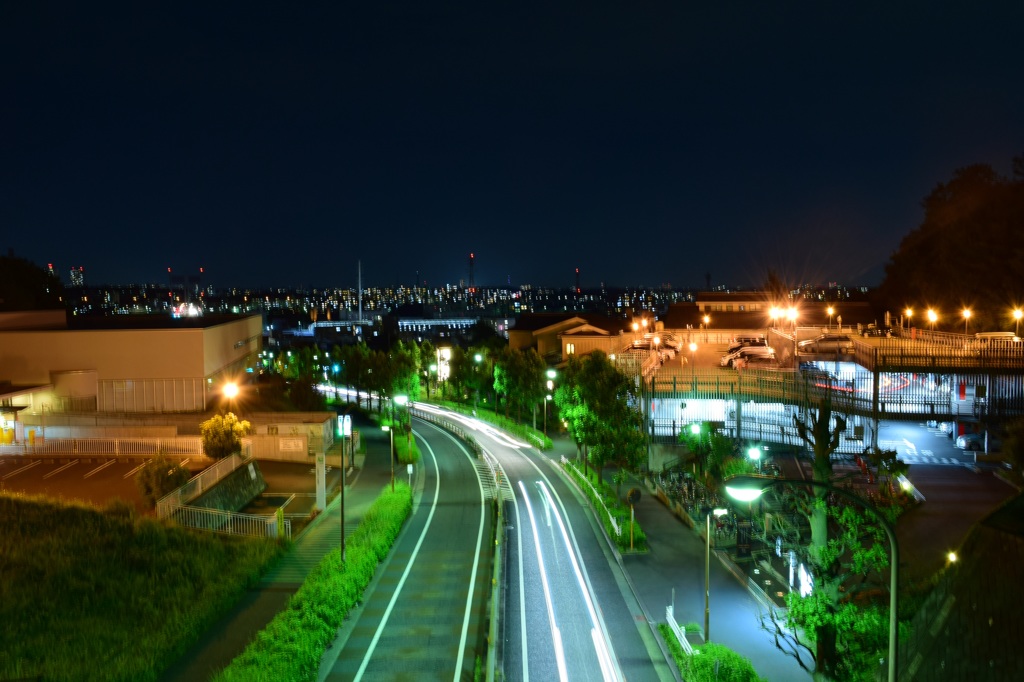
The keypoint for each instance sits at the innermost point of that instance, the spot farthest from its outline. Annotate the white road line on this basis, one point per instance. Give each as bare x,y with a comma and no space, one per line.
135,470
60,469
20,469
100,467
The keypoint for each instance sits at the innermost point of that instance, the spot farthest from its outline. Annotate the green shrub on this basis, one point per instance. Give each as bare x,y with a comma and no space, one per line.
160,476
616,509
291,645
714,663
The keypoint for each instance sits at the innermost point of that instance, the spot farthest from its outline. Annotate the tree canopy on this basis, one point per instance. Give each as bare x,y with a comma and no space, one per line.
967,252
26,286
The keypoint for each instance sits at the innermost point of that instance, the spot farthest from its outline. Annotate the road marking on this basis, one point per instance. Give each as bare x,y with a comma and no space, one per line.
405,574
100,467
60,469
20,469
136,469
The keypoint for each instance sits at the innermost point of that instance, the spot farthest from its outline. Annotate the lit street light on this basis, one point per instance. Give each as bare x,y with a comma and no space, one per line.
831,311
749,488
1017,314
967,318
391,432
707,325
909,312
755,454
932,318
551,374
693,365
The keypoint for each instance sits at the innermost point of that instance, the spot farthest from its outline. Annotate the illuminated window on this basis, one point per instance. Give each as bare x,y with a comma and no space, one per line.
570,349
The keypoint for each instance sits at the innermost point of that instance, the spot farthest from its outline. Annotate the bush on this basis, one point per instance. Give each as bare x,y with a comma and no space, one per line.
291,645
160,476
714,663
615,508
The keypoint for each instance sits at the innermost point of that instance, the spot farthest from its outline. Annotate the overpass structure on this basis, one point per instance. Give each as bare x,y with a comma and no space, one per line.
914,375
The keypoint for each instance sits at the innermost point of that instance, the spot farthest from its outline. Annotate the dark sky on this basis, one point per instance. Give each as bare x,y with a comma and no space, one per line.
644,143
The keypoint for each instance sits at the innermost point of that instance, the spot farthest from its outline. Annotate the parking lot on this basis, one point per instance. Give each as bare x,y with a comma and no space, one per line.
98,480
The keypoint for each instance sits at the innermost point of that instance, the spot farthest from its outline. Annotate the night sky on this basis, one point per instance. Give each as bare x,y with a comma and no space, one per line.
277,144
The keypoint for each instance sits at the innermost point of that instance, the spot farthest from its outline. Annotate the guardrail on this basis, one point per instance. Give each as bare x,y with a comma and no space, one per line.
494,634
179,445
231,523
597,495
197,485
678,631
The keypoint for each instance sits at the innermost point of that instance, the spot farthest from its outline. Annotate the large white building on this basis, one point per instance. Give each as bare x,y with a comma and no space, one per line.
120,365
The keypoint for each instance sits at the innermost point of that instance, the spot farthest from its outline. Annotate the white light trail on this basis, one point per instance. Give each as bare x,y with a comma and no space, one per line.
556,636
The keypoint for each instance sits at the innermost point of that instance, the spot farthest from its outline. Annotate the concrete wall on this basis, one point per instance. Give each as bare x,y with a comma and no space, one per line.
235,491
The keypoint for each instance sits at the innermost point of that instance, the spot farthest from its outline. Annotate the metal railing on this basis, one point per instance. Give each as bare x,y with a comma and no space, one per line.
231,523
197,485
678,631
579,476
179,445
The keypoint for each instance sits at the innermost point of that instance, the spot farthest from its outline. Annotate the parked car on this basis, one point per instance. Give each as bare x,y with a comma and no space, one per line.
746,342
873,330
827,343
976,442
747,352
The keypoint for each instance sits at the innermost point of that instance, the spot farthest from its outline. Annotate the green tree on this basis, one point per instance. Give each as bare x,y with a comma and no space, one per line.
158,477
856,554
821,430
304,395
976,208
222,435
26,286
598,404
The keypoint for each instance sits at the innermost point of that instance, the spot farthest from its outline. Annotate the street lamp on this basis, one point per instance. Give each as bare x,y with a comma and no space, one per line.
551,374
399,400
909,312
693,365
707,323
831,311
967,318
749,488
1017,314
755,454
707,577
391,432
932,317
230,392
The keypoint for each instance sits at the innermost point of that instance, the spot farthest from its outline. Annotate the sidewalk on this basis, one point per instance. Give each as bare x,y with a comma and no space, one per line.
674,568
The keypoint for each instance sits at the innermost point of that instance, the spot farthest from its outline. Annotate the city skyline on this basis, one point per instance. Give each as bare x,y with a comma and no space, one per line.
646,146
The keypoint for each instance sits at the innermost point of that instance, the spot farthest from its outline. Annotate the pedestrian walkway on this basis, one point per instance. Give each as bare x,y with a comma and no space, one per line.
672,571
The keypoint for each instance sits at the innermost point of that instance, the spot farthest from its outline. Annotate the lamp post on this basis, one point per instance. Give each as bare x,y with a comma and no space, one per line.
909,312
476,389
967,318
831,311
693,365
755,454
1017,314
551,374
391,432
707,577
707,324
749,488
932,318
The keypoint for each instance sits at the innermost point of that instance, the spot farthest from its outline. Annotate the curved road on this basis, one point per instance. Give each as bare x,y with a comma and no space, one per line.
569,613
424,617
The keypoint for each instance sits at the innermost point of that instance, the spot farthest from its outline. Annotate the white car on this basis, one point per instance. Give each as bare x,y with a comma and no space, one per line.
747,352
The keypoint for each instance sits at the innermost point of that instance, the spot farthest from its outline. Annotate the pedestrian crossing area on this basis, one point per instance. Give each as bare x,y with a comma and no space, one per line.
911,454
